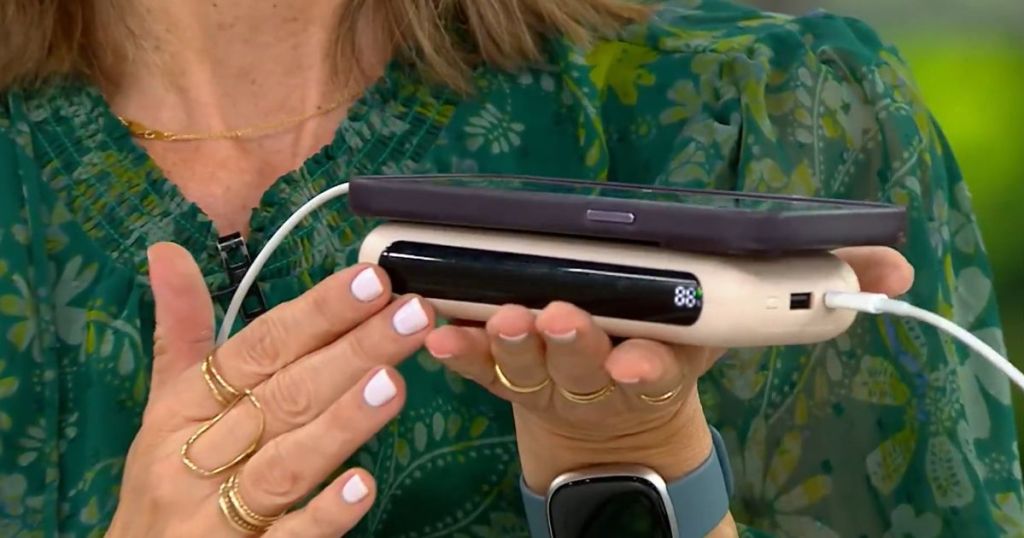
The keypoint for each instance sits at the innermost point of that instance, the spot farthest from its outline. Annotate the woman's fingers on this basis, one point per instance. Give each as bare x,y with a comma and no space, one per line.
879,269
566,351
316,318
290,466
651,373
576,349
561,348
466,351
333,512
331,309
184,314
509,340
299,393
517,349
642,362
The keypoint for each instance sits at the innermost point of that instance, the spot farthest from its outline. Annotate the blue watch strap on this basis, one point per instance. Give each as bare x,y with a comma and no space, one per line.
699,500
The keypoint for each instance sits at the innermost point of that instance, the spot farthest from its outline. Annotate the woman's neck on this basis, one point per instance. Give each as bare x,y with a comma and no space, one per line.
207,65
203,66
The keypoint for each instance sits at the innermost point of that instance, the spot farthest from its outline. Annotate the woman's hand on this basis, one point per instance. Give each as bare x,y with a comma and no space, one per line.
319,369
562,349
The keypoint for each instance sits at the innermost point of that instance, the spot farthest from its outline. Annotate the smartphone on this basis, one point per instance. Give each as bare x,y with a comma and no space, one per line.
692,220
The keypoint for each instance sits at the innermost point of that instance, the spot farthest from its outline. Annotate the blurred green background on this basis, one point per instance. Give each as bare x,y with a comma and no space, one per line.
968,58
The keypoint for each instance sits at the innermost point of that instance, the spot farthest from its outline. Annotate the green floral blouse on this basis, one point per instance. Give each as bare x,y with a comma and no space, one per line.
889,430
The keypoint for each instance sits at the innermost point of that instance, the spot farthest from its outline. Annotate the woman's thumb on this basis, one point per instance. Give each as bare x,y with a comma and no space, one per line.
184,313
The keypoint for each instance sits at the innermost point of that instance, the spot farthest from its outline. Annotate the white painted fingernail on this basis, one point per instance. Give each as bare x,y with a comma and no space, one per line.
380,390
629,380
563,338
439,356
518,339
366,286
410,319
354,490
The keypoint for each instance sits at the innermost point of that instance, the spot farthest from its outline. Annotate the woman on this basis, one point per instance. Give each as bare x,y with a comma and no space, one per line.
133,134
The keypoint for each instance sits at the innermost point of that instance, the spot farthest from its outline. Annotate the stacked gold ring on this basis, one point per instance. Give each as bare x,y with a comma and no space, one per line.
229,397
238,514
221,389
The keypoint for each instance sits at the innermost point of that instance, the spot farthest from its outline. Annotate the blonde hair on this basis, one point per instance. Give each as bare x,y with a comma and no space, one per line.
444,39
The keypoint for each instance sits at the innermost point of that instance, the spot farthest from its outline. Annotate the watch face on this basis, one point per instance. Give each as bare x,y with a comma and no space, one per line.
609,507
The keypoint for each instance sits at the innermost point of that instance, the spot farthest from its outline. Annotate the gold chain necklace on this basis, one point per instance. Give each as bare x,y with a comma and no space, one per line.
148,133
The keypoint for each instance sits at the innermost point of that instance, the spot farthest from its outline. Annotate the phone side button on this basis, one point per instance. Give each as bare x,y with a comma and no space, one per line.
614,217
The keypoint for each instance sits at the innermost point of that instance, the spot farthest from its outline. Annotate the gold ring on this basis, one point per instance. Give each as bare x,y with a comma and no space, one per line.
587,398
232,513
662,399
222,390
239,515
187,460
516,388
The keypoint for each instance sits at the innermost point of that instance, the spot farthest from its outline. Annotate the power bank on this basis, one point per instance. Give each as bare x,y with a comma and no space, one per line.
632,290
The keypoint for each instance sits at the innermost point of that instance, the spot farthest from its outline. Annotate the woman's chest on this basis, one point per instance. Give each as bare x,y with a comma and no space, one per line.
225,182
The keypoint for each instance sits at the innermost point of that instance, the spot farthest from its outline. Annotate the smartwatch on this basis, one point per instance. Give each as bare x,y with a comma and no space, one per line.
627,501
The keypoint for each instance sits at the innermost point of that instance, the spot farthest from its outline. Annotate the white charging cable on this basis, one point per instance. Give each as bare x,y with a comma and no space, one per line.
876,303
261,259
870,303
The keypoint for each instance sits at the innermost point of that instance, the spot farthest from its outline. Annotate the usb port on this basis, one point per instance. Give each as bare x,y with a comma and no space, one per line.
800,301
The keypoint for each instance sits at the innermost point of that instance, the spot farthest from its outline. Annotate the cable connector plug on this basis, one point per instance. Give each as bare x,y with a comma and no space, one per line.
871,303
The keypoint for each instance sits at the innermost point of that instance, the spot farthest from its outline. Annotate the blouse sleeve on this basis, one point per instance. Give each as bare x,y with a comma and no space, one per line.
893,427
